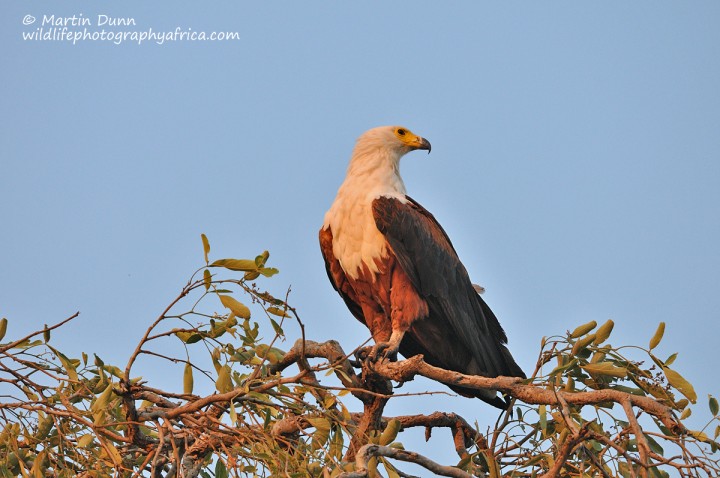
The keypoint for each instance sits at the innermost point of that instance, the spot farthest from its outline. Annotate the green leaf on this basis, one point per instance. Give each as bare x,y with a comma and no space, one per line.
188,337
543,418
271,354
268,271
276,327
677,381
188,381
45,424
46,334
654,446
605,368
390,433
262,259
630,390
221,470
686,413
562,368
671,359
206,246
658,336
713,404
235,264
240,310
604,332
583,329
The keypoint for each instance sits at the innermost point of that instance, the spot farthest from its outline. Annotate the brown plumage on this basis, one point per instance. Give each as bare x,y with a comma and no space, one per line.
398,273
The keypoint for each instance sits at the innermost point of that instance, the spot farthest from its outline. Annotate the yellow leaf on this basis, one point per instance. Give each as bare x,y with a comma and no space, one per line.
207,279
277,311
658,336
66,363
240,310
85,440
188,379
233,413
38,465
604,332
605,368
112,453
224,382
206,246
322,431
103,400
262,258
235,264
677,381
582,343
583,329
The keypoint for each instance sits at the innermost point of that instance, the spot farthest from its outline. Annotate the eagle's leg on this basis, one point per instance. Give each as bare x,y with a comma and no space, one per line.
389,349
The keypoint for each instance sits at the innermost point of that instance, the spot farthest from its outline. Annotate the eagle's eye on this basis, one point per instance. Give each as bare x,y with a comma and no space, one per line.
401,132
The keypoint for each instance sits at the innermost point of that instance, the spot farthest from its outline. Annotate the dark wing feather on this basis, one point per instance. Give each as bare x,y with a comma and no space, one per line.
427,256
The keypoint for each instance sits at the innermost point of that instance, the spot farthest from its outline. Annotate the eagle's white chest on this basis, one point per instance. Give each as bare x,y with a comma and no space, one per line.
356,238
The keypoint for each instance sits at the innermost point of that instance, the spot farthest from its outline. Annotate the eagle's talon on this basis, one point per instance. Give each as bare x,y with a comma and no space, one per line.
383,350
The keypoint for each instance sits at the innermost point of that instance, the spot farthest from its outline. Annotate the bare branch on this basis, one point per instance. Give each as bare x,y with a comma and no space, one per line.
369,451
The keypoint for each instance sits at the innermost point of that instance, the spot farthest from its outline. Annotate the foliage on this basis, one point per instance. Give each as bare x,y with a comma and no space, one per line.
589,409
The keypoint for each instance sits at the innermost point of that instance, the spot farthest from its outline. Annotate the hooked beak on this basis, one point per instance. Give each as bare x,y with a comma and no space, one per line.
423,144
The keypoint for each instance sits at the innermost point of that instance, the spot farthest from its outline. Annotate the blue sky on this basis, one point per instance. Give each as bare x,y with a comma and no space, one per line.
575,162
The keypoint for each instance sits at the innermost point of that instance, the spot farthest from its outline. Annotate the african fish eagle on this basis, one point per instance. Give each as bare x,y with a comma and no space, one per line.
398,273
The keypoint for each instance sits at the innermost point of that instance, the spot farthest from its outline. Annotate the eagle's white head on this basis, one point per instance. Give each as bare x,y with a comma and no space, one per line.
390,141
374,168
374,171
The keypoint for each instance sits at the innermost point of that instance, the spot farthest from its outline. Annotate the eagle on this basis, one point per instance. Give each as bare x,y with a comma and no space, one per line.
399,274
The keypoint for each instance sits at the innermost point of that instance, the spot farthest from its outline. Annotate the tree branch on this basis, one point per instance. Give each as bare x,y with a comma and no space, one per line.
367,452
